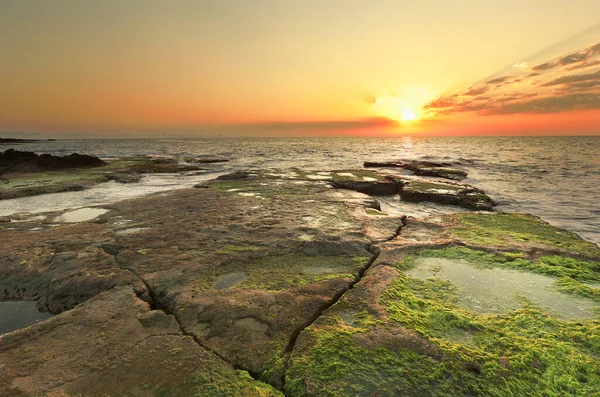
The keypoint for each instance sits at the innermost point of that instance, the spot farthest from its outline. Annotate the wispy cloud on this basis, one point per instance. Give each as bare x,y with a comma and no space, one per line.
570,81
573,79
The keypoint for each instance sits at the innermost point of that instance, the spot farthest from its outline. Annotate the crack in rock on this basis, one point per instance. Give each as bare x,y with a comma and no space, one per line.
155,304
375,252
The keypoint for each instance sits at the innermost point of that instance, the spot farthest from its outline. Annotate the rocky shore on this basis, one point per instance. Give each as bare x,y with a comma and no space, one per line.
24,174
296,283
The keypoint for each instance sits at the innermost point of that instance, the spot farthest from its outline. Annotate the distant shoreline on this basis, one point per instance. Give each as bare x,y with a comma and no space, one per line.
19,140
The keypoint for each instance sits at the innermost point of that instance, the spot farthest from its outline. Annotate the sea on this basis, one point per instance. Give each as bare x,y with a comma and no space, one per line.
555,178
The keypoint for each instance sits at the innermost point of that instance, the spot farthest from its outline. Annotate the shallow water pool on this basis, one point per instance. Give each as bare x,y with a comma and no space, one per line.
497,290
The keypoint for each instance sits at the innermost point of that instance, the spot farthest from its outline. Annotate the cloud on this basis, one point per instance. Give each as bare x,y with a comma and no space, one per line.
521,65
573,58
475,91
498,80
553,104
441,102
518,96
579,57
563,83
544,66
583,65
573,79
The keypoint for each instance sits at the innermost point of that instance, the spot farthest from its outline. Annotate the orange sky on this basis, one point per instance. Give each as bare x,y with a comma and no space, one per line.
265,67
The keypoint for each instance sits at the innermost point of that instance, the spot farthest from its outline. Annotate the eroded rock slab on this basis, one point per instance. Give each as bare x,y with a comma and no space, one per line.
243,264
305,286
115,345
247,260
423,321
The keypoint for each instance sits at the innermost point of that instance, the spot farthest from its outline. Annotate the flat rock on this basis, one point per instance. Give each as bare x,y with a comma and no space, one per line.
417,190
115,344
242,265
292,282
422,168
364,181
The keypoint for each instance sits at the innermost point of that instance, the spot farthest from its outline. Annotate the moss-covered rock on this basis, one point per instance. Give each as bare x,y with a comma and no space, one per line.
402,335
503,229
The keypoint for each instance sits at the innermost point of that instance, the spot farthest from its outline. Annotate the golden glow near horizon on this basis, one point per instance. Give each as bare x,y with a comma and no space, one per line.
407,107
204,66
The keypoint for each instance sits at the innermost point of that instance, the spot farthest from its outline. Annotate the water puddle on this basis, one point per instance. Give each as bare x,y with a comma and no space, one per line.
229,280
317,270
81,215
20,314
318,177
497,290
347,174
132,230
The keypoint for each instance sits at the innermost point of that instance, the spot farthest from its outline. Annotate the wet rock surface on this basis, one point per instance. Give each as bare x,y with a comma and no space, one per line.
446,193
270,283
422,168
418,322
32,175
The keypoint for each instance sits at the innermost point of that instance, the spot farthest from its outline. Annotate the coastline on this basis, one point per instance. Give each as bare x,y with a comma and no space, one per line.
295,283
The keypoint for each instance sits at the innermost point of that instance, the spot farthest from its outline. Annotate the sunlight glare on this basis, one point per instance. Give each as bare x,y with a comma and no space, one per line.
408,115
406,108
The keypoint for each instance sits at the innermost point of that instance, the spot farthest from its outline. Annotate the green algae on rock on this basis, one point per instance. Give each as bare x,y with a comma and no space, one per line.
405,330
505,229
274,276
420,341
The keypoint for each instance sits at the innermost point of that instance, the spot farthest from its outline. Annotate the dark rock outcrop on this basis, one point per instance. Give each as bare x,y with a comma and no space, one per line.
383,187
18,161
446,193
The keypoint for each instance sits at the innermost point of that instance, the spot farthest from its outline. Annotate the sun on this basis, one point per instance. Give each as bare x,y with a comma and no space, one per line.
408,115
397,108
405,108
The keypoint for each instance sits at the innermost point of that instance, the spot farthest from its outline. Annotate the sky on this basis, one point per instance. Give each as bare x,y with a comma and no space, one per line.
327,67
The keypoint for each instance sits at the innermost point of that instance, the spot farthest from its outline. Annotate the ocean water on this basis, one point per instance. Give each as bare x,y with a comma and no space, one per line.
556,178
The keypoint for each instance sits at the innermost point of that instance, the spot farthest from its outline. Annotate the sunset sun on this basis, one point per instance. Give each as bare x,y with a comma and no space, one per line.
408,115
405,108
